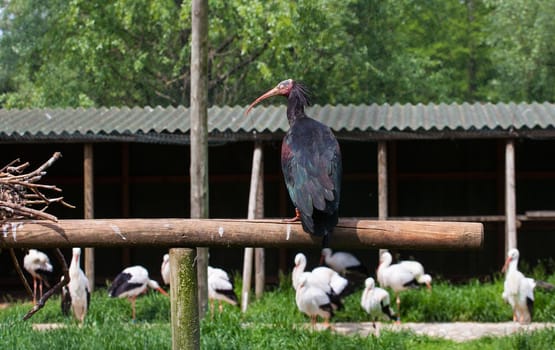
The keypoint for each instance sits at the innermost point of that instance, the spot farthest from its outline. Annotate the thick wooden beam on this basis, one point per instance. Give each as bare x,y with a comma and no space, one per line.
350,233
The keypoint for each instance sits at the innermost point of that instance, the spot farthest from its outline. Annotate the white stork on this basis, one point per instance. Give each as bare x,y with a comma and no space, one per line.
165,269
38,265
345,264
395,277
300,265
321,277
518,290
132,282
337,283
313,301
76,294
418,271
220,288
375,301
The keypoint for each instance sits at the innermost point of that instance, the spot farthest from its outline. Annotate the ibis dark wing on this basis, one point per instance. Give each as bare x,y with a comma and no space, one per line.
311,165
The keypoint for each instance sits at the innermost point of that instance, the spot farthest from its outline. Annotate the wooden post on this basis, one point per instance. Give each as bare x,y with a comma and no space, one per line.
382,184
382,180
259,255
183,294
125,205
510,197
199,136
249,251
88,196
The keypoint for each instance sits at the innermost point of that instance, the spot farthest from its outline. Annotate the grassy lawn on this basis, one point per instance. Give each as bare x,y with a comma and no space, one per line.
273,322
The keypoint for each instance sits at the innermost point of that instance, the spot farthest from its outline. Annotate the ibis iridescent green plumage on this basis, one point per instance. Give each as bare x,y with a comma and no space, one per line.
310,161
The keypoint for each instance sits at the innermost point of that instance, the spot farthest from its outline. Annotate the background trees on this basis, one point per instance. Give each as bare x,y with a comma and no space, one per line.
62,53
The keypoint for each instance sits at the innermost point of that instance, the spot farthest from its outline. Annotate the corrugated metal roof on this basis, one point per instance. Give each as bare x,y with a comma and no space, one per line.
171,124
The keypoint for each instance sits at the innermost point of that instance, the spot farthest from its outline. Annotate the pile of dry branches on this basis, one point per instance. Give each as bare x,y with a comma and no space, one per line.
21,197
20,193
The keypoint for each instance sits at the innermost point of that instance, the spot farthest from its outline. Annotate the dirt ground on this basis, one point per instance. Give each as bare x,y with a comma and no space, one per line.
457,331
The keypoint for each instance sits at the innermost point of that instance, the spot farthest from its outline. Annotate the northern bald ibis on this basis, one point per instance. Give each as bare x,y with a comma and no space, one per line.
310,162
220,288
165,269
38,265
313,301
76,295
395,277
375,301
346,264
132,282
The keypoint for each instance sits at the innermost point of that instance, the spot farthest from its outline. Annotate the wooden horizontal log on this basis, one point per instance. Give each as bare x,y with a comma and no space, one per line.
349,233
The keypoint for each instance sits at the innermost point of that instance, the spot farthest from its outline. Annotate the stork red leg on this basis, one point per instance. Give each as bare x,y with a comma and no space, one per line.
398,309
34,290
132,300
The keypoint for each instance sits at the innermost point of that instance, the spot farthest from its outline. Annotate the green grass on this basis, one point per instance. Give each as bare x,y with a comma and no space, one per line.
273,322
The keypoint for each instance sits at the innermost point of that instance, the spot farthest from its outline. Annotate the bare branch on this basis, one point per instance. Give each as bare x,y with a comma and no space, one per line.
20,273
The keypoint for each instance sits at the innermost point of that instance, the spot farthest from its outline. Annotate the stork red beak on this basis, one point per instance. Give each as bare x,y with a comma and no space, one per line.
163,292
506,265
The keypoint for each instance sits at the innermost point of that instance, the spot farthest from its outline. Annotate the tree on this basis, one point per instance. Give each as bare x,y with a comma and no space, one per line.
522,33
136,52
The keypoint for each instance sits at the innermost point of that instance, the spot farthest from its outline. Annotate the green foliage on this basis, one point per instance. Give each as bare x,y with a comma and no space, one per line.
273,322
90,53
522,33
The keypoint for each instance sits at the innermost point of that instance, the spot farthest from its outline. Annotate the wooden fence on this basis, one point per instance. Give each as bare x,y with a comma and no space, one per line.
350,233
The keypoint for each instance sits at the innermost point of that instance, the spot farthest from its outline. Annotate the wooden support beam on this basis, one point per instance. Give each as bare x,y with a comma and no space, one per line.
256,181
510,196
88,196
183,293
350,233
382,180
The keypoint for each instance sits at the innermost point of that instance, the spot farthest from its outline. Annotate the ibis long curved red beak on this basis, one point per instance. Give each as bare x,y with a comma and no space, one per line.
273,92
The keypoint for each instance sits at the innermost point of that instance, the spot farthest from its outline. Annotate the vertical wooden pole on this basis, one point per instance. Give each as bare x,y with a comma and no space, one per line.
392,179
125,207
249,252
510,197
247,275
259,254
382,184
88,195
183,294
190,299
382,180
